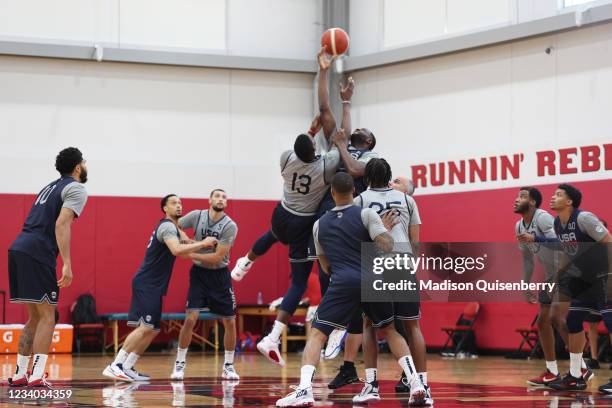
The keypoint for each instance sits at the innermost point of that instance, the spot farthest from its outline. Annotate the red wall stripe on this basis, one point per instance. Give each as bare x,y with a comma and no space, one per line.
110,238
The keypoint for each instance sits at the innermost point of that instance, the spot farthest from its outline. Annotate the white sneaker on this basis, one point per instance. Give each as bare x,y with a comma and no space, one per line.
135,375
229,372
115,371
301,397
428,399
369,392
269,348
418,394
179,371
334,343
243,265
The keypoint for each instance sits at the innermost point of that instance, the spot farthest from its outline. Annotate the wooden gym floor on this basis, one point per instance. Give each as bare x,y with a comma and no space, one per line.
482,382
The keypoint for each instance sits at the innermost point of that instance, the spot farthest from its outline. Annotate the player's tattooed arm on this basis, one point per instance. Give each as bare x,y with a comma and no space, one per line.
384,242
328,121
179,249
62,234
213,259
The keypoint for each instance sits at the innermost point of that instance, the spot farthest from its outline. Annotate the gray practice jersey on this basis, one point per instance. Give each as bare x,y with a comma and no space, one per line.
591,225
541,225
305,184
74,197
225,230
384,199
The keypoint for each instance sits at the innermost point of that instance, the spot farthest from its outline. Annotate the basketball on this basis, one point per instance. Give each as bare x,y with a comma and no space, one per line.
336,41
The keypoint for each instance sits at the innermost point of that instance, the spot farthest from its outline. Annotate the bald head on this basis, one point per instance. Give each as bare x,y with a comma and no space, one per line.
403,184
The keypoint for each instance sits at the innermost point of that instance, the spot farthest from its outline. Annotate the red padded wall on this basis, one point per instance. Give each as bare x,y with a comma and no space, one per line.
110,238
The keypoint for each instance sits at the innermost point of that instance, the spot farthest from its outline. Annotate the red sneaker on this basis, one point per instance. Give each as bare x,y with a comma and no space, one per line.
22,382
587,374
40,383
543,379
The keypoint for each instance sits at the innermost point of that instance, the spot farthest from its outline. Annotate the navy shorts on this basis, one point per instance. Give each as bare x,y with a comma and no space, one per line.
293,230
145,308
583,288
588,311
211,289
31,281
339,305
407,310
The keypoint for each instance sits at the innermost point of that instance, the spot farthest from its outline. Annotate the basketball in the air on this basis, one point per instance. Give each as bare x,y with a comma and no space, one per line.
336,41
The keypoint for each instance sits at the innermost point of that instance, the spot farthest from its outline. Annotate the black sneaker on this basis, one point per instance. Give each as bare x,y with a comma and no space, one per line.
606,388
592,364
346,376
402,385
568,383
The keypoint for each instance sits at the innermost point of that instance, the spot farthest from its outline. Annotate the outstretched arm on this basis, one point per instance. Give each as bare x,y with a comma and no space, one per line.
346,94
179,249
328,122
213,259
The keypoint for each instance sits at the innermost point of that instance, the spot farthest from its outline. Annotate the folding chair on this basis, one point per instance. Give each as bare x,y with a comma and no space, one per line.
464,328
530,339
94,331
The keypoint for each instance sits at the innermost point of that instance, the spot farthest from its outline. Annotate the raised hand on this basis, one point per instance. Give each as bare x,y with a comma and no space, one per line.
346,91
324,60
340,139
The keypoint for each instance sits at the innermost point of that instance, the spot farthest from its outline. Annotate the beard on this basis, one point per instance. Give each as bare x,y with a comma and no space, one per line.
83,176
521,209
358,139
218,208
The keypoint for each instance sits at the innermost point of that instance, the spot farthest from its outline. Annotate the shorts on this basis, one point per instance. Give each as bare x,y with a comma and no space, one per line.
339,305
31,281
211,289
593,317
293,230
407,310
145,308
585,289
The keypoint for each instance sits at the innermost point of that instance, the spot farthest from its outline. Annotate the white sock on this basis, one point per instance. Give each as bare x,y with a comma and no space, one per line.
306,375
130,361
121,356
583,363
575,360
408,366
22,366
370,375
38,366
277,330
423,377
181,354
552,367
229,357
